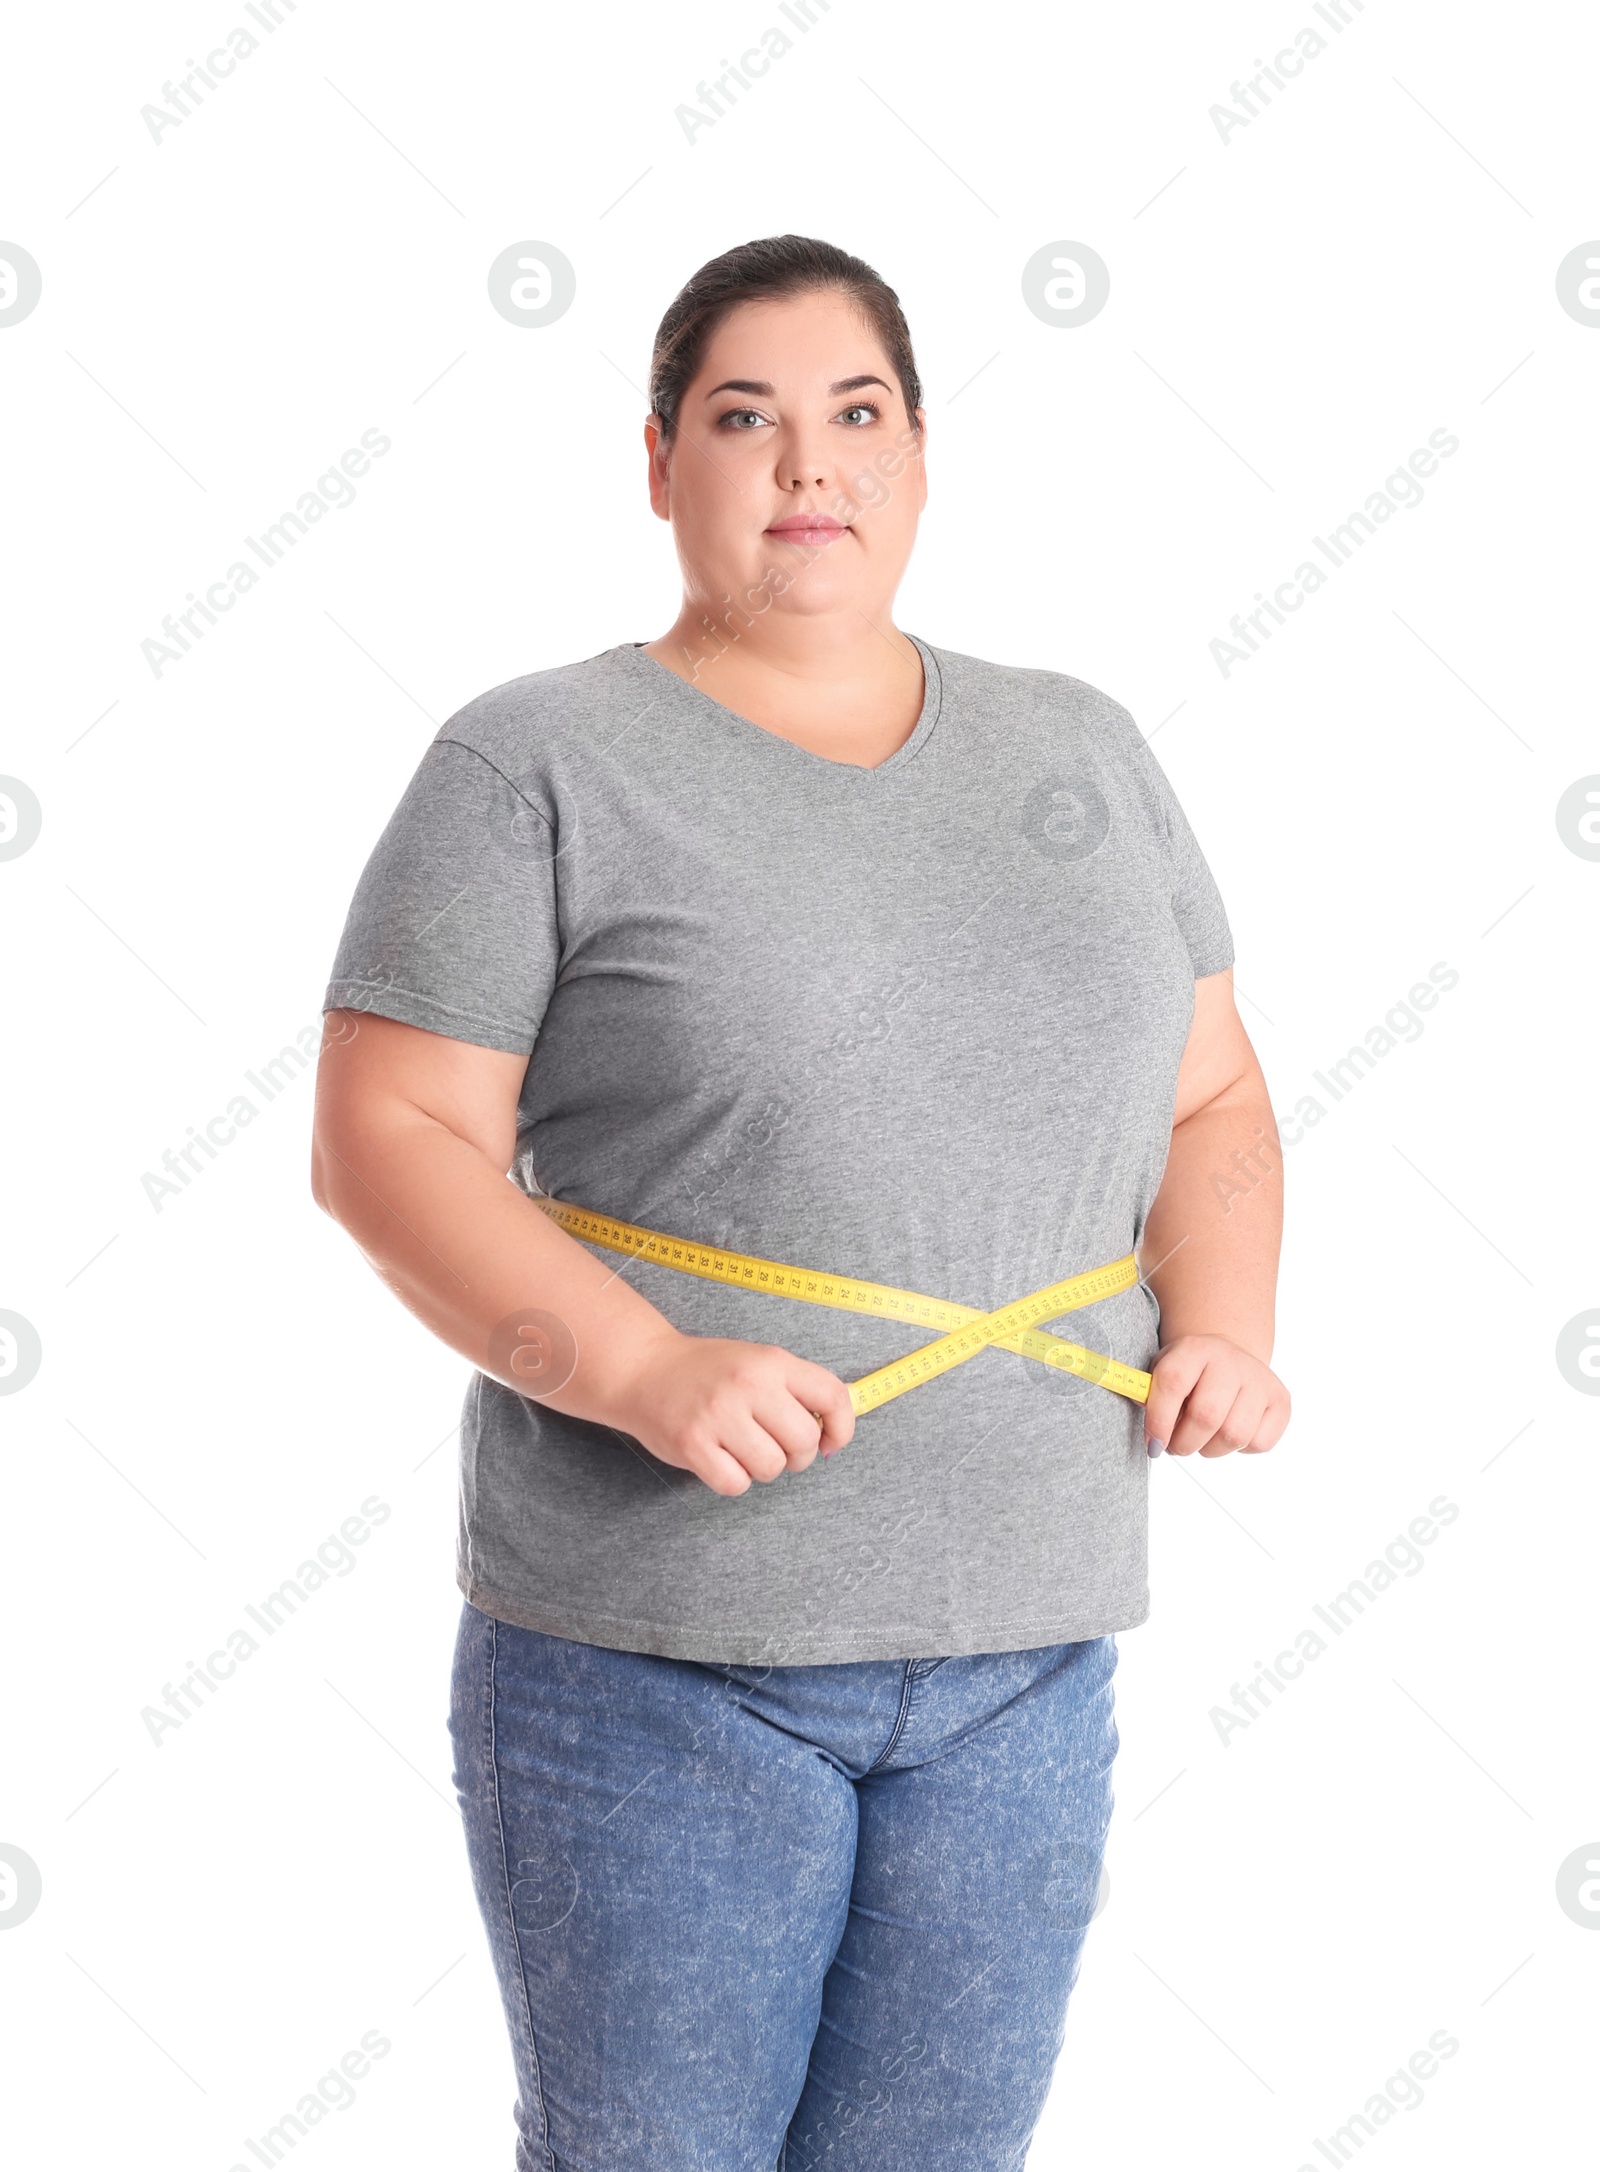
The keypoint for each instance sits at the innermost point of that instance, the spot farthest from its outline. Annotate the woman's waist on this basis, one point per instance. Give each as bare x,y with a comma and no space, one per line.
853,1320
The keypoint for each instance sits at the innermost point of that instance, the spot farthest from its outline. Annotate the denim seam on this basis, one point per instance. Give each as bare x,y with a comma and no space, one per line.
918,1672
899,1720
511,1914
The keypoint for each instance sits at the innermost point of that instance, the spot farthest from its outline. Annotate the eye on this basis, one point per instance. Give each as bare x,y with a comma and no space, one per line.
740,418
863,409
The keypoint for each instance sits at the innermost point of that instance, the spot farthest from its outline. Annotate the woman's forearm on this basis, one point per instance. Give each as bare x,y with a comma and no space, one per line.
1211,1239
414,1132
469,1253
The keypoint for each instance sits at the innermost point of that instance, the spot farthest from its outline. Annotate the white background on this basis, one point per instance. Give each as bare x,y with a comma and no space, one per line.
224,1381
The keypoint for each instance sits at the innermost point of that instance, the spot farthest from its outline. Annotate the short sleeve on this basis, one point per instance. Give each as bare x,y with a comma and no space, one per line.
1197,905
453,926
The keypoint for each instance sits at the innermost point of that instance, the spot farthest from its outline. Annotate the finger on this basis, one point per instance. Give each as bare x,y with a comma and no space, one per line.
825,1398
1238,1428
1274,1424
1171,1378
1206,1405
714,1467
750,1444
795,1427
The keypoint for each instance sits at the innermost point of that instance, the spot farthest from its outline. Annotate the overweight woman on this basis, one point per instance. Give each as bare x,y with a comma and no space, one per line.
844,1010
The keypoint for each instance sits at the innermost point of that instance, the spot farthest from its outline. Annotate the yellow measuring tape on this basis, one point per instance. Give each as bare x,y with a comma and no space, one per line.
968,1330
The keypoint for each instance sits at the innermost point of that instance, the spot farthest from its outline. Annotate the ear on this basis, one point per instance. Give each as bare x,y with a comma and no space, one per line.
658,449
922,460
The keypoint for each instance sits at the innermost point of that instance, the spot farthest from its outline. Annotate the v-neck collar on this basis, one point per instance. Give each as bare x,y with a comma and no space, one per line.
928,717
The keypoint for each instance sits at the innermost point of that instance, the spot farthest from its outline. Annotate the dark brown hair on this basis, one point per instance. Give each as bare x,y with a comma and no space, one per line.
762,271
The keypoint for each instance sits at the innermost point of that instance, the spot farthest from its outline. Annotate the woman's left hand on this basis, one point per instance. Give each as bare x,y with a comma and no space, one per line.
1207,1393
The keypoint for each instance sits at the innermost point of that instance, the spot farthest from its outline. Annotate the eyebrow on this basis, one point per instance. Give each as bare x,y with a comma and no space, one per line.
751,384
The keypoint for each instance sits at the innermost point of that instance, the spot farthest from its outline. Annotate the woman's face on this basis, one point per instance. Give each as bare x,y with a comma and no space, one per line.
795,476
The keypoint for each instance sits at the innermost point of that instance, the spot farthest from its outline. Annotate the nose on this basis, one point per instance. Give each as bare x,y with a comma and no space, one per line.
802,465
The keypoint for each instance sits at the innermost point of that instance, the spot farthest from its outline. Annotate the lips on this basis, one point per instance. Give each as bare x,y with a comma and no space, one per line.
808,528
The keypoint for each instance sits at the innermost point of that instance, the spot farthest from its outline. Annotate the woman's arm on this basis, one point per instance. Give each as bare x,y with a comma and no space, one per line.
413,1136
1212,1239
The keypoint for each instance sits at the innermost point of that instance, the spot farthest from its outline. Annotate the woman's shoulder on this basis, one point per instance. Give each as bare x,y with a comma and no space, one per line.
569,705
1027,690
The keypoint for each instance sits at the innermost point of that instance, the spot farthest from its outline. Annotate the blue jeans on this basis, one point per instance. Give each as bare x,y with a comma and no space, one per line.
773,1919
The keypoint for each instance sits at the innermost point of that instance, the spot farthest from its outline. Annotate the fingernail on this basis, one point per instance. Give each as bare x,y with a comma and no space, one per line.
1155,1446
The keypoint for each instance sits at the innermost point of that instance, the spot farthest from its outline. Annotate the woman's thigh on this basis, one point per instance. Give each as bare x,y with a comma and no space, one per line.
978,1860
664,1878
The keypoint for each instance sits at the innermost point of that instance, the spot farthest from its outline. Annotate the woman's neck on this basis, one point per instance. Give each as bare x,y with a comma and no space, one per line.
849,689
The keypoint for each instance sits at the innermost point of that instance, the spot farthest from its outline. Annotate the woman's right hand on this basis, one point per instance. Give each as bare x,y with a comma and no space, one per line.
732,1412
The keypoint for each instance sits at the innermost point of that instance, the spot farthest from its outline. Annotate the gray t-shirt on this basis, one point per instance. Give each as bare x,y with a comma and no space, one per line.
919,1023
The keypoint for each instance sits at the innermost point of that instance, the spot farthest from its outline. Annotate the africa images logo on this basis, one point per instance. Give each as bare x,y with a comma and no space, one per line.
1065,817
